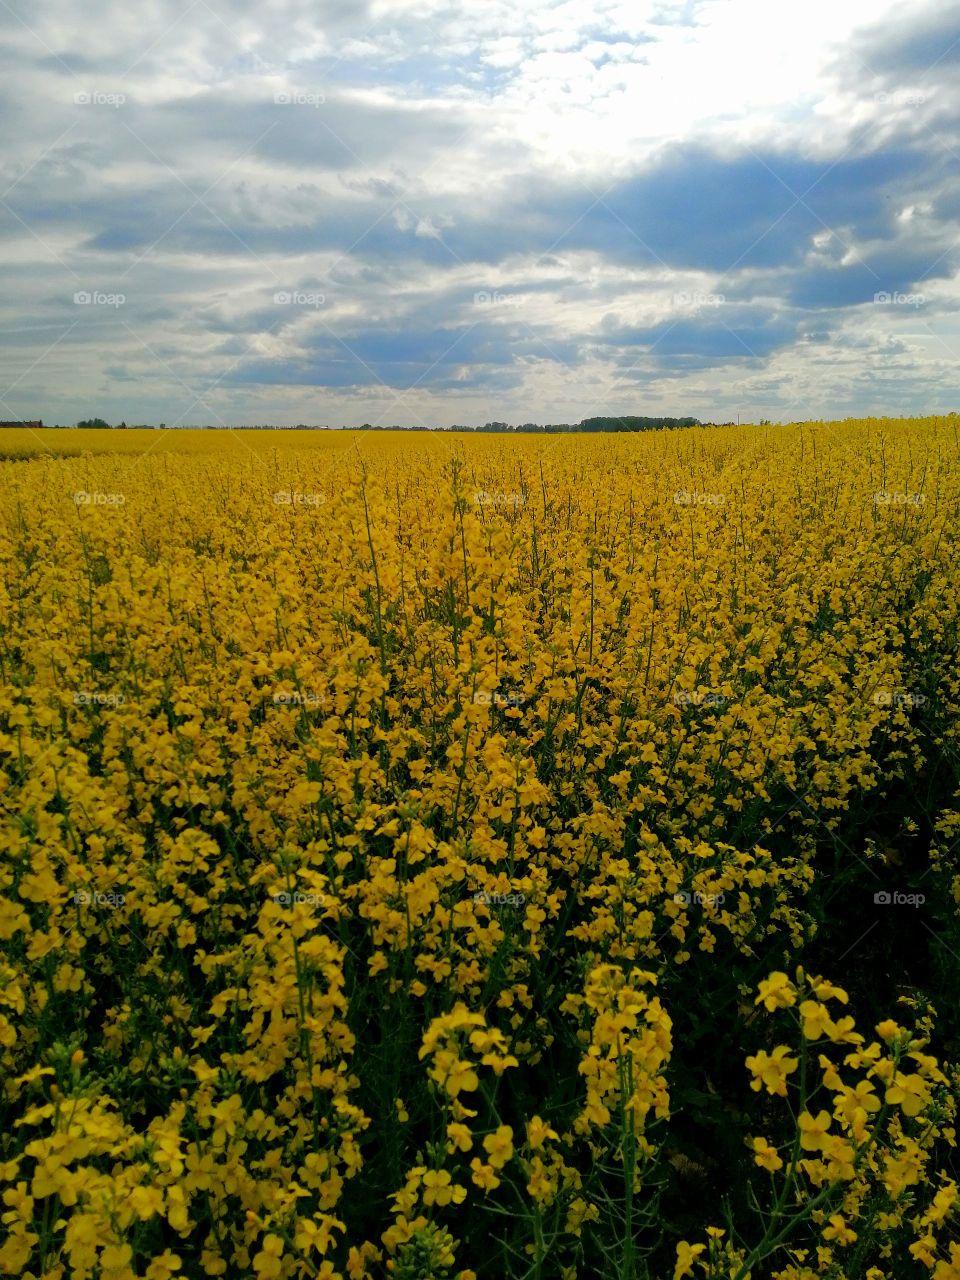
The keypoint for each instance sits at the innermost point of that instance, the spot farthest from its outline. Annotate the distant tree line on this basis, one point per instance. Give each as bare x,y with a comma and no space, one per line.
635,424
611,423
588,424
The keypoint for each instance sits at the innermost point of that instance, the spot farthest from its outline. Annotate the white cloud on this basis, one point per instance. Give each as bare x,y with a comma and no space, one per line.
500,129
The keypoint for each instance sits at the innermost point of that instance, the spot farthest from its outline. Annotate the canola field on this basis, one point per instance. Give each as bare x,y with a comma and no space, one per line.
450,856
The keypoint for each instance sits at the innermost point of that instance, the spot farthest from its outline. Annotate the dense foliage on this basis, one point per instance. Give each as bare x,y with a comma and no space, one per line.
440,857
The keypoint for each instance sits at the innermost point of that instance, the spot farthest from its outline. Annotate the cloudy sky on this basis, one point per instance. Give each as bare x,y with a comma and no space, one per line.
347,211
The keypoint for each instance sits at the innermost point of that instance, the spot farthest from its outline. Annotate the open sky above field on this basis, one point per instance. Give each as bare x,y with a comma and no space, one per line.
335,211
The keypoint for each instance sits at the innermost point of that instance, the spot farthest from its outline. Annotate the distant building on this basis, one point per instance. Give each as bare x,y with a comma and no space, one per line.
21,424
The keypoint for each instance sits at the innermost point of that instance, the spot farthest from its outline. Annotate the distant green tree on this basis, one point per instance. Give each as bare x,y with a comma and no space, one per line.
93,422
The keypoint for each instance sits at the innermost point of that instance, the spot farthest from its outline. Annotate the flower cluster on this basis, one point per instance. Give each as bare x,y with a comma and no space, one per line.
393,884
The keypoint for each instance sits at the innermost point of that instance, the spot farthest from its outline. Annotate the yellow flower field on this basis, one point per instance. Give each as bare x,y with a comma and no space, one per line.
461,856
